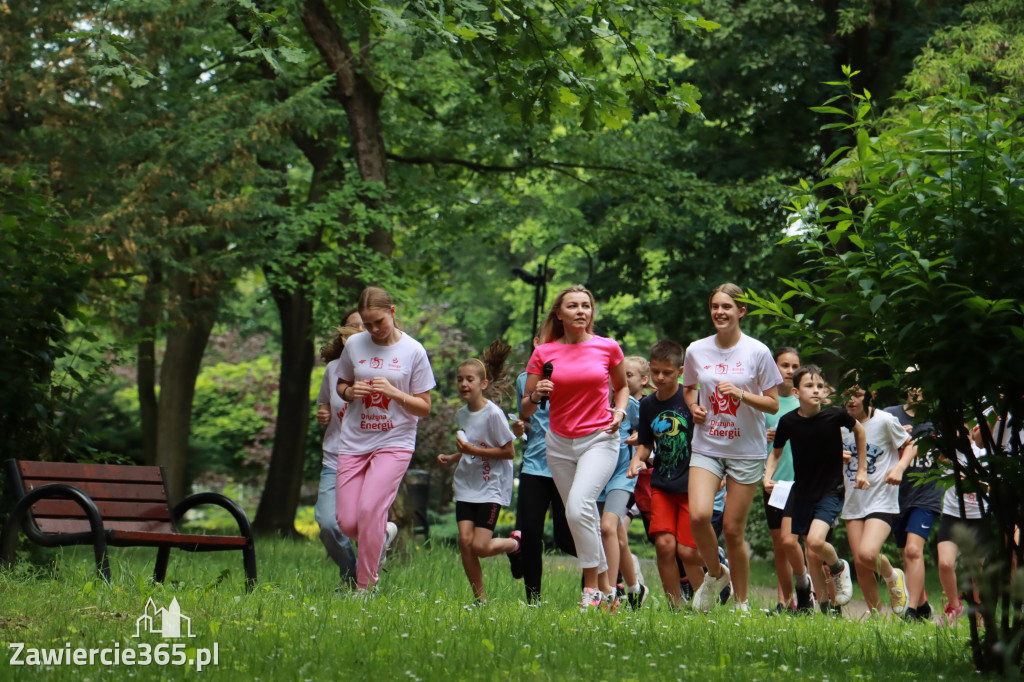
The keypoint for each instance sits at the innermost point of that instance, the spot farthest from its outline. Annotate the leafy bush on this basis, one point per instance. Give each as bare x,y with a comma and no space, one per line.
912,260
43,274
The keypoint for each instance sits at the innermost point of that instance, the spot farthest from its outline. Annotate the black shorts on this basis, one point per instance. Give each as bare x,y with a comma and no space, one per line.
889,517
803,512
976,527
773,515
482,514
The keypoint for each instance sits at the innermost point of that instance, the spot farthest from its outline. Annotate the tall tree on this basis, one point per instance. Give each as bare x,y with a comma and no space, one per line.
530,51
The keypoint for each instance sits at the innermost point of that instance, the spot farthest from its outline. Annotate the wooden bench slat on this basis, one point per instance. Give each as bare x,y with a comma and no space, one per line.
109,510
66,525
108,491
62,471
134,538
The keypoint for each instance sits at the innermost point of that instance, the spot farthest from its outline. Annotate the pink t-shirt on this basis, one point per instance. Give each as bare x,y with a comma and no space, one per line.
580,400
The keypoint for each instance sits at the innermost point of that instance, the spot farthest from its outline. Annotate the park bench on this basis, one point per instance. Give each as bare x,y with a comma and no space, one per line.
112,505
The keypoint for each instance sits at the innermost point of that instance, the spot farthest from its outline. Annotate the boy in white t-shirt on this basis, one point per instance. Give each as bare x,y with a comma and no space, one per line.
483,479
870,513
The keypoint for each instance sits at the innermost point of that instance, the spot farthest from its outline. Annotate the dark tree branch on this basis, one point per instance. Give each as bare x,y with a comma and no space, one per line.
498,168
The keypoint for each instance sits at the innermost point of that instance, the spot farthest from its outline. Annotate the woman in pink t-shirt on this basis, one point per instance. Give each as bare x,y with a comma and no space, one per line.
384,375
583,436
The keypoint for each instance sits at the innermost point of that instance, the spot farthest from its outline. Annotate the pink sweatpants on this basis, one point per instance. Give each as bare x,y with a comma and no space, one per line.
367,485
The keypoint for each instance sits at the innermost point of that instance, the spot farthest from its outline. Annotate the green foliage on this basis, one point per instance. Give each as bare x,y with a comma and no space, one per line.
911,261
233,420
43,274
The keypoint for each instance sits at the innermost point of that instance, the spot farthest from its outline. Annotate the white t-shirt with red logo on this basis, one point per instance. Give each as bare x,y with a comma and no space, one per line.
376,421
733,430
484,479
972,504
329,396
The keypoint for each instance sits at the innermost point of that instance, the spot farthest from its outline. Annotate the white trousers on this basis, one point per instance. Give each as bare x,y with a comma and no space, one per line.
581,468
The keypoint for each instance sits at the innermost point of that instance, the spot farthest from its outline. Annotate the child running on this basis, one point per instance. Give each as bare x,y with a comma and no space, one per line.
920,503
617,497
948,550
729,382
483,479
665,428
785,547
815,437
536,494
870,513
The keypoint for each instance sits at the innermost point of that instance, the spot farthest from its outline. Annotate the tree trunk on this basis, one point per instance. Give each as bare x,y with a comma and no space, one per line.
146,371
355,92
186,344
280,499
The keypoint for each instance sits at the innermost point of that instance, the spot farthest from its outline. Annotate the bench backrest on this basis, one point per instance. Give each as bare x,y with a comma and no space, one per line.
128,497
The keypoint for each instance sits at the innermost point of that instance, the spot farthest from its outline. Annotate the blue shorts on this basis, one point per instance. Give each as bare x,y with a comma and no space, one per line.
803,512
916,520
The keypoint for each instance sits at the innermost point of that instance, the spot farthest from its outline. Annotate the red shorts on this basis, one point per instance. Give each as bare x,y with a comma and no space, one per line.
642,492
670,513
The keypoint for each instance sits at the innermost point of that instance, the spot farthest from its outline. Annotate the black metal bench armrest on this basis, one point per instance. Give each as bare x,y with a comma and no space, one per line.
9,540
223,501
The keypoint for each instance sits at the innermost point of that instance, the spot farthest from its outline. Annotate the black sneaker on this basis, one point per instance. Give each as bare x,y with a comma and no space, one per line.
515,559
686,589
924,611
637,599
804,603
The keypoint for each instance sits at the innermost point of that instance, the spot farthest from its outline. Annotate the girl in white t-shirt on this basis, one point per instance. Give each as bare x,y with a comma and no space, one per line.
729,382
971,520
483,479
330,409
869,513
385,377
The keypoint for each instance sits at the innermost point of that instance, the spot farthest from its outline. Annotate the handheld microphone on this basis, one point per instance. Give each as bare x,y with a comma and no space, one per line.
546,374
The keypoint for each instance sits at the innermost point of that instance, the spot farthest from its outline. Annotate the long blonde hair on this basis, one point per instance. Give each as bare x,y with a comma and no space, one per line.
552,329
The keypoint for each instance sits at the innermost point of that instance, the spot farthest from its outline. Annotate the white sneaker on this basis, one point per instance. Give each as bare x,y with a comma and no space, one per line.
390,534
636,568
707,595
843,584
592,600
741,608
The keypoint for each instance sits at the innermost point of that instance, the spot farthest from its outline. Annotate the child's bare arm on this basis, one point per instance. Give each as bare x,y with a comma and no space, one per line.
770,468
506,451
639,461
860,437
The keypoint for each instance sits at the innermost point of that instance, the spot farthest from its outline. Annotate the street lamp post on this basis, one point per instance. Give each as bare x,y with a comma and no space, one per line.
539,281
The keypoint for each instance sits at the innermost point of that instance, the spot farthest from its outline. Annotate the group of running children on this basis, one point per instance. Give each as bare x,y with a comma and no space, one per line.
702,429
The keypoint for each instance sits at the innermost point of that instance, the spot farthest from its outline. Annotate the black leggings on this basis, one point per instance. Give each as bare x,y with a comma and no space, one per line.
536,494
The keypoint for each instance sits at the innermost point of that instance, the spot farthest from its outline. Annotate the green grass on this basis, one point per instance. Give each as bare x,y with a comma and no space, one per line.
294,628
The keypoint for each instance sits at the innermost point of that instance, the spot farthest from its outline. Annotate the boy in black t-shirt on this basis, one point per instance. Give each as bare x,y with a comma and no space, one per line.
666,428
816,497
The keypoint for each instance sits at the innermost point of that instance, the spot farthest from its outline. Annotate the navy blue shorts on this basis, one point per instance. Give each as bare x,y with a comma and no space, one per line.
482,514
803,512
916,520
